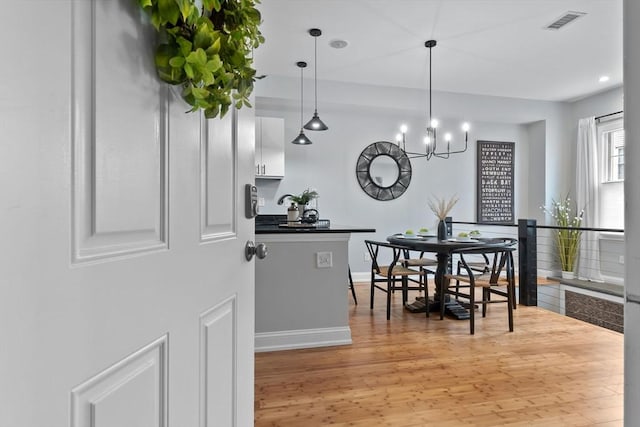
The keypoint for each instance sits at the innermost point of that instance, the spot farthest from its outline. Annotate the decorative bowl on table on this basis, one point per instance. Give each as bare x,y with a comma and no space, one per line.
424,232
409,234
474,234
463,237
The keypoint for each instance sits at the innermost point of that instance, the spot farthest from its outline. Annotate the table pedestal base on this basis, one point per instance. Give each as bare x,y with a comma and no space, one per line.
452,308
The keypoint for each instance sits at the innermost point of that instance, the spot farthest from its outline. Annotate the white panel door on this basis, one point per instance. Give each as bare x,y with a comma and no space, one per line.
125,296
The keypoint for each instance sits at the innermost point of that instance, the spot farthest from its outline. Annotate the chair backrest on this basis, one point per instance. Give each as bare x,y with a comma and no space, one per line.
501,250
374,251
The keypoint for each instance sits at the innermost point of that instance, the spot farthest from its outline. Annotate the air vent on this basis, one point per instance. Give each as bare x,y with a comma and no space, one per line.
564,20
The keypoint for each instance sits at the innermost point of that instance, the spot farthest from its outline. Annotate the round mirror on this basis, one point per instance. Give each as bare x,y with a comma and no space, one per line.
384,171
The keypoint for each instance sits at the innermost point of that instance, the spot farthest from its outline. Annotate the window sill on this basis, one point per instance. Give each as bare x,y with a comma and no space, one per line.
607,235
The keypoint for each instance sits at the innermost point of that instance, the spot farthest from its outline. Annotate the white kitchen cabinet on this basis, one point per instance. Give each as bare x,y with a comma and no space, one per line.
269,147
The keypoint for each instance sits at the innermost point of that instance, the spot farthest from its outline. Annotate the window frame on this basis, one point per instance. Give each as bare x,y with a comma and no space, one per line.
605,146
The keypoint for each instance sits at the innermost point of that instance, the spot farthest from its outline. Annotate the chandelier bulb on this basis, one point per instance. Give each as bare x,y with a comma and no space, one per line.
403,128
434,123
465,127
398,137
447,137
427,140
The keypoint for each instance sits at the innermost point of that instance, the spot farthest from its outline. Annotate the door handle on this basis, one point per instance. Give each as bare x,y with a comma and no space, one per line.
251,249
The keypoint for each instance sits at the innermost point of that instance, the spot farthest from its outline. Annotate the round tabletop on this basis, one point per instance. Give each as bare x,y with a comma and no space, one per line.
432,244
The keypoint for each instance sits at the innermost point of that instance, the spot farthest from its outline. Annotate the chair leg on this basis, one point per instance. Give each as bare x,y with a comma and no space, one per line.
486,296
389,287
372,288
472,304
426,292
512,280
353,291
405,290
442,289
510,304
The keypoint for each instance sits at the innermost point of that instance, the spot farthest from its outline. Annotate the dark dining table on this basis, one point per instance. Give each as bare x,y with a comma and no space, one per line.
442,249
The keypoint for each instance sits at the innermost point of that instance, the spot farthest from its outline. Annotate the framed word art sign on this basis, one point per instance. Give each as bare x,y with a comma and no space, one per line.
495,182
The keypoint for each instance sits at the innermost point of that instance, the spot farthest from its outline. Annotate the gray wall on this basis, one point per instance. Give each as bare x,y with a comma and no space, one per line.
632,207
359,115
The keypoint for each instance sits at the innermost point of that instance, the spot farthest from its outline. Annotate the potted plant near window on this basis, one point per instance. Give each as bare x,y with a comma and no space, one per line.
567,237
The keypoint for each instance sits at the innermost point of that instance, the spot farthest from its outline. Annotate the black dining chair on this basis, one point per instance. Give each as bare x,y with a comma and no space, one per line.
393,273
498,280
351,287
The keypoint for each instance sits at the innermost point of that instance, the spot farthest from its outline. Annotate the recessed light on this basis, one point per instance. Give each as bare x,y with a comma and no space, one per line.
603,79
338,44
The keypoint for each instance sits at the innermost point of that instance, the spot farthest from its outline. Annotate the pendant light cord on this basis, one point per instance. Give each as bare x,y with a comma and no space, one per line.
315,72
430,117
301,95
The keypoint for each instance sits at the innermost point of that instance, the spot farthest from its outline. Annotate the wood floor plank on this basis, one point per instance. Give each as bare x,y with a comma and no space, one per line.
416,371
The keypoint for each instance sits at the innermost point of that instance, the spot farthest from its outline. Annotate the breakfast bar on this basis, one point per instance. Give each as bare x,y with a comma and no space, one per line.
302,284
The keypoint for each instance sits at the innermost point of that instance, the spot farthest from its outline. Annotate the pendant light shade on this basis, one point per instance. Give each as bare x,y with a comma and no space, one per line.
302,138
315,123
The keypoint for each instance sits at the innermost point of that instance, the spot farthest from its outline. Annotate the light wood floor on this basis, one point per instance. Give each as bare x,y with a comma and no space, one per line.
414,371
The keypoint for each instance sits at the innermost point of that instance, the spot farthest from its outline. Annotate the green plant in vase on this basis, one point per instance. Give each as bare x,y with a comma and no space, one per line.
565,215
304,198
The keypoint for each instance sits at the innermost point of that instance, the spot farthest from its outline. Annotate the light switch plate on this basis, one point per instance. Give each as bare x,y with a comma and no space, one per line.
324,259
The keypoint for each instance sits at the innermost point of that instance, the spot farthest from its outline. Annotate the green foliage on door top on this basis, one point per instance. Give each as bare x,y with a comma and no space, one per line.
207,50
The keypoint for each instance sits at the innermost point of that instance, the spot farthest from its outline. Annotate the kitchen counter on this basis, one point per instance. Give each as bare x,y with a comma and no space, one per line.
273,224
302,293
275,229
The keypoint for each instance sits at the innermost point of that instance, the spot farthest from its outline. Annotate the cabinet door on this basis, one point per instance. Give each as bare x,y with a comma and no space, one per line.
272,139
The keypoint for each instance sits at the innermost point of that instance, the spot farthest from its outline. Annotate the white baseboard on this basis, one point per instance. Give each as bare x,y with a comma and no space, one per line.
302,338
362,276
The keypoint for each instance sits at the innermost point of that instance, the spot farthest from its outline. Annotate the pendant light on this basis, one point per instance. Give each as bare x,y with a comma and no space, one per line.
302,138
315,123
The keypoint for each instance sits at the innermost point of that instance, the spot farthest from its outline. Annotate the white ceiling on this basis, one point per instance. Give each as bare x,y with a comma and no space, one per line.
486,47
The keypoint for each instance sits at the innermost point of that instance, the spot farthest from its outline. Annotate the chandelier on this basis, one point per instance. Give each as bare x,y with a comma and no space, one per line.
431,138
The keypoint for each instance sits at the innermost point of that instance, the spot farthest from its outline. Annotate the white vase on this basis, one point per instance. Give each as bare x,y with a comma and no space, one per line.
568,275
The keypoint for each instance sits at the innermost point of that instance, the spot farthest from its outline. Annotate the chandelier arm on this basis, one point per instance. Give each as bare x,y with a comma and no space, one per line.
451,152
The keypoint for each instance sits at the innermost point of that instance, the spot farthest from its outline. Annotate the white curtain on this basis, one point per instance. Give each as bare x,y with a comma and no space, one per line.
587,189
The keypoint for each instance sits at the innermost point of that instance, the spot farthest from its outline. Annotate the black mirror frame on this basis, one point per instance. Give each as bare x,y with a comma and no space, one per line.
363,166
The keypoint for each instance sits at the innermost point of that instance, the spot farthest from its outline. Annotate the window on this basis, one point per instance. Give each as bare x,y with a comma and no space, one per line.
611,142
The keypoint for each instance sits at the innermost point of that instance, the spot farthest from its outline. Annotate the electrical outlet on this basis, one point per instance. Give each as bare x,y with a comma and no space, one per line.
367,256
621,259
324,259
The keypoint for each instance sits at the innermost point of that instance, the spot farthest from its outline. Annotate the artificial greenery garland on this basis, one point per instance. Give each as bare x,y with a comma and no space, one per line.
207,50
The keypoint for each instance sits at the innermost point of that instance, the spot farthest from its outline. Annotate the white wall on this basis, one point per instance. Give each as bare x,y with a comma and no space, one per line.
358,115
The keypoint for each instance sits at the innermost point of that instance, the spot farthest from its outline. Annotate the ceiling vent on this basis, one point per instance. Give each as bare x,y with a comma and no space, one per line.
564,20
